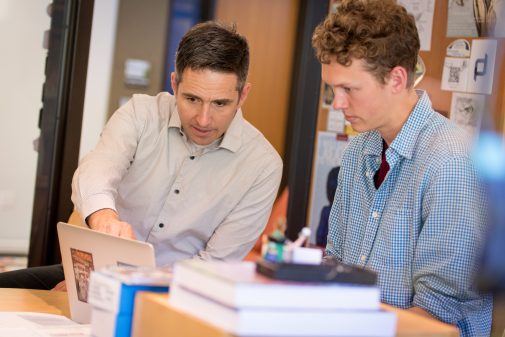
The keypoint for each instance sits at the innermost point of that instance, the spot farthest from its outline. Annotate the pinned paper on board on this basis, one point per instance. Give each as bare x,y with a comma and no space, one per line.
423,11
458,48
336,121
474,74
467,110
461,19
455,74
489,17
329,152
476,18
482,61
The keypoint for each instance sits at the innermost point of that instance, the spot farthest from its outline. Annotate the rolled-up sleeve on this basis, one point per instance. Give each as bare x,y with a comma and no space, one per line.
96,180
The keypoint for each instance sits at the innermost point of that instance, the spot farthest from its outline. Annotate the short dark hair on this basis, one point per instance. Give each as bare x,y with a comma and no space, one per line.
215,46
379,32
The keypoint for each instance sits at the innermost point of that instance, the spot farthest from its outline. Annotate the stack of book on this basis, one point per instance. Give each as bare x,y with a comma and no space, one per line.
239,300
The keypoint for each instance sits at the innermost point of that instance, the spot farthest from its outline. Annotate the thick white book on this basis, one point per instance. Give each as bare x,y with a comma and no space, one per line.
284,322
236,284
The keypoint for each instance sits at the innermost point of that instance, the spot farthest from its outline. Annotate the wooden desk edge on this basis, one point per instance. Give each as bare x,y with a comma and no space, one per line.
149,307
25,300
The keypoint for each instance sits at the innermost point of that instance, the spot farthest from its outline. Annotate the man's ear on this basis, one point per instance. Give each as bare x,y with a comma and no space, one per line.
173,82
243,94
398,79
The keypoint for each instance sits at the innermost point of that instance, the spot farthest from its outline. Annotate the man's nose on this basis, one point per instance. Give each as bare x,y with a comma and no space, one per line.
203,117
340,101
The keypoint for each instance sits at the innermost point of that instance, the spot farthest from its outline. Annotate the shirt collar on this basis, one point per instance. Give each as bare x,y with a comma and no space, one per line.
404,143
406,140
232,139
175,120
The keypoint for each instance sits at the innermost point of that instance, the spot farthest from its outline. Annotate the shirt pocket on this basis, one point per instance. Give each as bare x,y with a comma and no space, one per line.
395,244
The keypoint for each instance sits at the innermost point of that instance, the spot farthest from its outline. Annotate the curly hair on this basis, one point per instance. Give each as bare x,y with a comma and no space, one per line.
379,32
215,46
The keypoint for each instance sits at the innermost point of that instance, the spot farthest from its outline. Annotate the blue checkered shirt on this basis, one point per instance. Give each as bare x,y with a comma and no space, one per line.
422,229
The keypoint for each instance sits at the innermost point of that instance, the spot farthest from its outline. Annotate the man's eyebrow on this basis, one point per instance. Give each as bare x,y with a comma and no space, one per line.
217,100
340,84
222,100
189,95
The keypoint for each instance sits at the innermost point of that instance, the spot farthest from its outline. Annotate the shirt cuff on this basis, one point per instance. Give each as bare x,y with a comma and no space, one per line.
96,202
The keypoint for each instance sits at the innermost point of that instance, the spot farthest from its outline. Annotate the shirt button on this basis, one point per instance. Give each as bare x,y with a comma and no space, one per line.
363,258
161,225
368,173
375,214
176,191
191,157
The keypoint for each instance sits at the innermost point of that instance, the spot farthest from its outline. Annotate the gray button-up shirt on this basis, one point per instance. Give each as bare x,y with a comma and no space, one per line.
212,203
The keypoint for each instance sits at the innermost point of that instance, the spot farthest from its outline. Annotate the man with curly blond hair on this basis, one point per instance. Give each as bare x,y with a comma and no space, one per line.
407,203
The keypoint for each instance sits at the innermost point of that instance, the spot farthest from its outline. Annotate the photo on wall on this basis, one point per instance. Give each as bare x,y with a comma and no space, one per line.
326,167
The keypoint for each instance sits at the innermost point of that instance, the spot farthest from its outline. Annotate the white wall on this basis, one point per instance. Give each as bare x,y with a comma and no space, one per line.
103,37
22,25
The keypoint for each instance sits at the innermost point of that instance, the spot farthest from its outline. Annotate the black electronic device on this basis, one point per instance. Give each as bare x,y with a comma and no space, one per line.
330,271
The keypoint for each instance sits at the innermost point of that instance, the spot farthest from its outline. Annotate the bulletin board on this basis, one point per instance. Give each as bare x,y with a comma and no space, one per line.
432,17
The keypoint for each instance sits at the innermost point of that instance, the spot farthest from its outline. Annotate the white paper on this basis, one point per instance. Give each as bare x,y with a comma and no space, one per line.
455,74
18,332
482,61
467,110
33,324
460,20
422,10
458,48
335,121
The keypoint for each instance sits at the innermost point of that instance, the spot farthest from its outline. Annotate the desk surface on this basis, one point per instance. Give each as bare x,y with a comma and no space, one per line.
50,302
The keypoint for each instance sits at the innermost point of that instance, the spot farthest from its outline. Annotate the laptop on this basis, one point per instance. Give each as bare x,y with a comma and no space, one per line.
84,250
